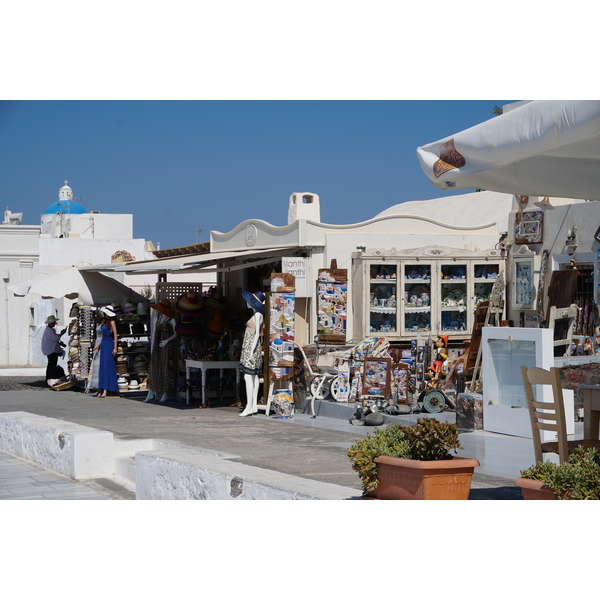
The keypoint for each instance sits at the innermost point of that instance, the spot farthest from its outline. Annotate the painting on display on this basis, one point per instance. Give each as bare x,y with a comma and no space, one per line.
281,306
399,383
529,227
332,290
376,378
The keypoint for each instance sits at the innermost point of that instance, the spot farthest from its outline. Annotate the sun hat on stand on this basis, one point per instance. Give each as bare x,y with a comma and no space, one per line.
256,301
164,307
216,326
187,327
190,303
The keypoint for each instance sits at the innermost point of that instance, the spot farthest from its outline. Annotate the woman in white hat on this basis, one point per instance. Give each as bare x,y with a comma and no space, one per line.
51,344
107,345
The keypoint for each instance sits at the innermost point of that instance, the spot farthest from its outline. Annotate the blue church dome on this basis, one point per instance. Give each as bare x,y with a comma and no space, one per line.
65,203
65,206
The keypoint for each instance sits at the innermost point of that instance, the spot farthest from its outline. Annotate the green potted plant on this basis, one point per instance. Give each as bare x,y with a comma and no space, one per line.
576,479
413,462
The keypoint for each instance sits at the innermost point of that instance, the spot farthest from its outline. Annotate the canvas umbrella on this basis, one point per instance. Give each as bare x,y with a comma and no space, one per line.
89,287
540,148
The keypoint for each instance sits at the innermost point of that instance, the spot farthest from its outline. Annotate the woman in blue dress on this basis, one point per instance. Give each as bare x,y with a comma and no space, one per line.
107,344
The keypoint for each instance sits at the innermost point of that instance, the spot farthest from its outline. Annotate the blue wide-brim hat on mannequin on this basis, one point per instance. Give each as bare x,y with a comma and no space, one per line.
256,301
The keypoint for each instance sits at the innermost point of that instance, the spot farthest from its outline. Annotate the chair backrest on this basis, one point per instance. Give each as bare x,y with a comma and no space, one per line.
546,416
566,316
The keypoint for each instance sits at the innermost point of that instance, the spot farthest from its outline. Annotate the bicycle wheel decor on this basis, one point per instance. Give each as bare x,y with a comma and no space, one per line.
314,386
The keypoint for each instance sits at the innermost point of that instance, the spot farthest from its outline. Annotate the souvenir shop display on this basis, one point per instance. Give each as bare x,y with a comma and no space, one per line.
280,325
133,346
161,372
82,335
332,291
200,327
377,376
382,298
438,291
281,317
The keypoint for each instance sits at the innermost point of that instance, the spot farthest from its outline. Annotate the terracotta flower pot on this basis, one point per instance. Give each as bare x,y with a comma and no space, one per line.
405,479
534,490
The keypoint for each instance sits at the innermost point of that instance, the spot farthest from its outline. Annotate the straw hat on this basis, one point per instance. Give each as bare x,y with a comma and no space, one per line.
256,301
216,326
164,307
216,304
190,303
187,327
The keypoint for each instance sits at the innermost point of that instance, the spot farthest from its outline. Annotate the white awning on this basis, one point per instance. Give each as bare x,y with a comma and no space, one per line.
207,262
541,148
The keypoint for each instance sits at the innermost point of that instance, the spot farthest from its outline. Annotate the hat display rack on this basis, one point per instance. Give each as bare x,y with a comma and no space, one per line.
82,332
133,346
192,313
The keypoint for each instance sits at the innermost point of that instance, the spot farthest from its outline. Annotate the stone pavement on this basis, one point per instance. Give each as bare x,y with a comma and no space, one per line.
309,448
20,480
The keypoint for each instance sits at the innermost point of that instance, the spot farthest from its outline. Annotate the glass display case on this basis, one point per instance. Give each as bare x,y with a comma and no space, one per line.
434,296
453,297
484,276
523,282
382,298
417,297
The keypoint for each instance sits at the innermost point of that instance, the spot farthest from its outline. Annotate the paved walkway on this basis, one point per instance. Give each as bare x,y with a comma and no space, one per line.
309,448
20,480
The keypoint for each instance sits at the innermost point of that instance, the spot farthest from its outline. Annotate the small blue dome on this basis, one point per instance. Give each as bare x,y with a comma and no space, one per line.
66,207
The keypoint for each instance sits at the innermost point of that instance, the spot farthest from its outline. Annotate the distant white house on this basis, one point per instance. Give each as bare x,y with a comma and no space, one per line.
67,236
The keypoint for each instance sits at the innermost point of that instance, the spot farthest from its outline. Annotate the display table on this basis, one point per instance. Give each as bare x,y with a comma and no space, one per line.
591,411
204,366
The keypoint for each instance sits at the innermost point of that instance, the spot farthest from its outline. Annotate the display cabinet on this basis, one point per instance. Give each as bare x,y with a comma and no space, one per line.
407,295
133,351
382,316
416,310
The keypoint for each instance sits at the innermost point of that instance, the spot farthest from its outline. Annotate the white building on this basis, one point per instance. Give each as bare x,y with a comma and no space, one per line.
67,236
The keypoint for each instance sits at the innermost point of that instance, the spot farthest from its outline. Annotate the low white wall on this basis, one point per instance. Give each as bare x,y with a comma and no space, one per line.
162,470
184,475
69,449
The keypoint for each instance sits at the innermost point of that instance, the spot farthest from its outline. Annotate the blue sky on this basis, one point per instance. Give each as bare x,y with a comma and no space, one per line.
182,165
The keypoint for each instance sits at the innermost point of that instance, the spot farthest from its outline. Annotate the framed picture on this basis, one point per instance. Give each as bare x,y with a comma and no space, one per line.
399,383
332,289
376,379
529,227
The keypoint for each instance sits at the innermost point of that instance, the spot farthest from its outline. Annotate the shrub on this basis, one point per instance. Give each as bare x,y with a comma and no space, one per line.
429,439
576,479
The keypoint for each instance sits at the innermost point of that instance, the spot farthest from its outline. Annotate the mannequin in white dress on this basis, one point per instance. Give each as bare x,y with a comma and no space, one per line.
251,361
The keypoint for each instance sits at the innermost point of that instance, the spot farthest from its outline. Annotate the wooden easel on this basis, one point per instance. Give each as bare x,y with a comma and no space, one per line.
490,312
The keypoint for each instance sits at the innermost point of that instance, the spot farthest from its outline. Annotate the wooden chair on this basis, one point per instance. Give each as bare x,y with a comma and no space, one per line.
542,420
564,326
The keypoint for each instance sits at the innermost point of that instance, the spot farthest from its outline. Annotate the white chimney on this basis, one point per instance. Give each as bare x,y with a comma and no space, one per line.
304,206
